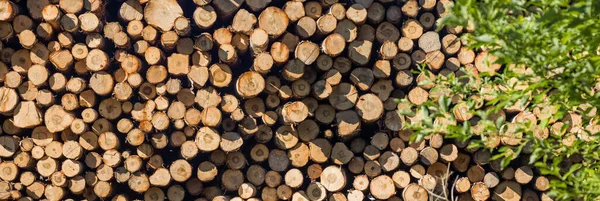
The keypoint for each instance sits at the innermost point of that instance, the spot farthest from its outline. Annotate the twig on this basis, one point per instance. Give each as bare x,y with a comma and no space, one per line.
446,177
453,187
444,183
435,195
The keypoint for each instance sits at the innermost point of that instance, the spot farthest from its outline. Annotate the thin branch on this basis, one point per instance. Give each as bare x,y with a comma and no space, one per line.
436,195
445,182
453,187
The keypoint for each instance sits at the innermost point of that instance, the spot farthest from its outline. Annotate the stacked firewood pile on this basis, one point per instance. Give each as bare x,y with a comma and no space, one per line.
236,100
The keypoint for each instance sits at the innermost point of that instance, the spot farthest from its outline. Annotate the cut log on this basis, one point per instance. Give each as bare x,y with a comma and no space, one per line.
410,8
316,191
257,5
69,23
359,52
393,14
389,161
347,29
131,10
182,26
320,150
306,27
484,62
294,112
299,155
263,62
279,52
178,64
430,42
333,45
62,59
409,155
230,141
405,44
348,123
314,171
412,29
6,32
333,178
523,175
491,179
293,70
108,141
369,107
9,171
340,154
343,96
307,52
243,22
542,183
507,190
162,13
428,182
222,36
97,60
168,40
228,7
10,99
418,95
388,50
285,137
427,20
247,190
382,187
10,10
27,39
450,44
13,79
27,115
313,9
278,161
476,173
250,84
180,170
462,185
375,13
220,75
273,20
357,13
435,60
102,83
290,40
293,178
8,146
387,32
57,119
294,10
90,23
300,88
415,192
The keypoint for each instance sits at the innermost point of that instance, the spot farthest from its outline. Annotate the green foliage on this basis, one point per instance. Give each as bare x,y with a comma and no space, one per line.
557,39
550,52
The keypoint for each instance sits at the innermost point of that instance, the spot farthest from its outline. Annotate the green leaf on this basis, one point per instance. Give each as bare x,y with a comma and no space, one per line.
557,41
572,169
406,112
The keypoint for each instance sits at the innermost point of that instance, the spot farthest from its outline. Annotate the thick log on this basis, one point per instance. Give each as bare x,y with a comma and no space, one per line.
273,20
162,13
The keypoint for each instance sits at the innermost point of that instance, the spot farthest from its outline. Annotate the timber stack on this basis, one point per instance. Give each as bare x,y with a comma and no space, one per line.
242,100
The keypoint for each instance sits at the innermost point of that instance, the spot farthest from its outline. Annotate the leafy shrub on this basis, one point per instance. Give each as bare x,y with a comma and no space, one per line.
550,56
